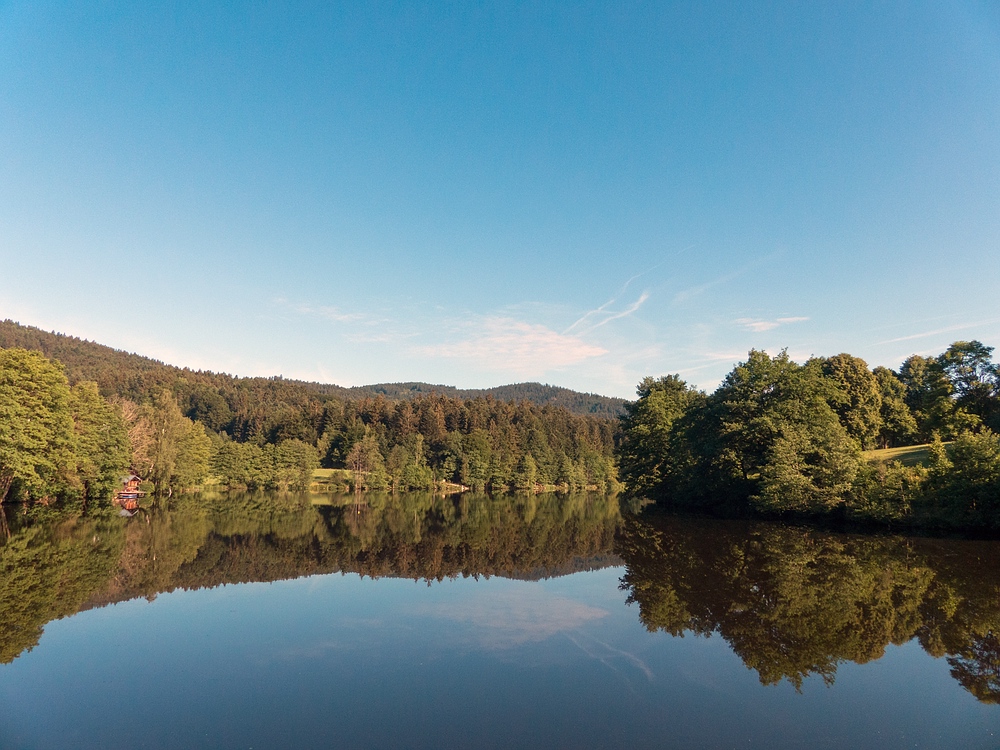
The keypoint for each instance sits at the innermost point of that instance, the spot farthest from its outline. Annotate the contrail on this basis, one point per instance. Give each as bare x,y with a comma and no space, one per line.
632,308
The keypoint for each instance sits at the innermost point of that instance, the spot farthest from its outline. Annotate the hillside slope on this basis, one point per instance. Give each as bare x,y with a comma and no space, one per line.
125,374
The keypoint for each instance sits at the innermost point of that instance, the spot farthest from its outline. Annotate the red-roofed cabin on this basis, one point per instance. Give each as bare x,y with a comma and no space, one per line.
128,496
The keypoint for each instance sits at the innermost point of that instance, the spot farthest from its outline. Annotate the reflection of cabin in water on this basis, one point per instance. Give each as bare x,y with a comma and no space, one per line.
128,496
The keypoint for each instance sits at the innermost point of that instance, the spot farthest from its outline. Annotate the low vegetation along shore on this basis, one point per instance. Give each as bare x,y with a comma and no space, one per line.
831,438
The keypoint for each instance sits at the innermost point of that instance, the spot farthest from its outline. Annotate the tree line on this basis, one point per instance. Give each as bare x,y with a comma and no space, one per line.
779,437
61,438
482,443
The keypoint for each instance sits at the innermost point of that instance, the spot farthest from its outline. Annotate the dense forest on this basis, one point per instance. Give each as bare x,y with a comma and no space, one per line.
535,393
777,437
76,415
131,375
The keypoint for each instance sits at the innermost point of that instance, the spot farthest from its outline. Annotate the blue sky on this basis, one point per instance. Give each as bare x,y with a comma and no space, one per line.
477,194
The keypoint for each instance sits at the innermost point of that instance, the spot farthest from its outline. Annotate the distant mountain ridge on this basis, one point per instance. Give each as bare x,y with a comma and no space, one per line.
88,360
536,393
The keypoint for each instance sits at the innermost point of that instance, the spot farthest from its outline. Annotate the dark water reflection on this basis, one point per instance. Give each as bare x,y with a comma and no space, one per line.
56,563
793,602
515,635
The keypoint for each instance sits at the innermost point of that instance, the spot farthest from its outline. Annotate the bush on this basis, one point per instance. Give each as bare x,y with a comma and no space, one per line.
963,487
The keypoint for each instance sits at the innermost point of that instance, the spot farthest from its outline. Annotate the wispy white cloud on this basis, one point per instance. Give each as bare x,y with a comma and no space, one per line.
691,292
324,312
937,331
685,294
602,315
758,326
383,335
507,344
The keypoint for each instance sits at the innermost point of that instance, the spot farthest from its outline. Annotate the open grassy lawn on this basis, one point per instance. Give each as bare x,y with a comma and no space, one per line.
331,477
910,455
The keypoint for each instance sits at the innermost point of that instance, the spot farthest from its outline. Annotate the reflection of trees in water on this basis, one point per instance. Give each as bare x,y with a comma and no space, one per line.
977,667
49,566
792,602
57,563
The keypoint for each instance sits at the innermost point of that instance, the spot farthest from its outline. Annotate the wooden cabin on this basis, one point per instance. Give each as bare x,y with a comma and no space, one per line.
128,496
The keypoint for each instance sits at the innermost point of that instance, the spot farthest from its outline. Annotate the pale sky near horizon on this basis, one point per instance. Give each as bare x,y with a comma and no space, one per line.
478,194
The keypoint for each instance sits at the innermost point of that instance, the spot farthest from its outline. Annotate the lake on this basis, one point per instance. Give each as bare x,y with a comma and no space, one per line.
273,621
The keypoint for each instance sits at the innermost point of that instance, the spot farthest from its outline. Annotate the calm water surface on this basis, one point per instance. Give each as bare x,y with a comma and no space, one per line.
418,621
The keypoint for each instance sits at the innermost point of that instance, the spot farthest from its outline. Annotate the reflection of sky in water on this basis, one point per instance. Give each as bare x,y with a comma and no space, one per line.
512,616
350,662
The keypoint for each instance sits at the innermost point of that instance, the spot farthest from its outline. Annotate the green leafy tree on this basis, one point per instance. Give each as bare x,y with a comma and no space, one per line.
178,452
571,474
777,432
416,473
929,396
475,461
230,465
644,449
194,452
366,462
860,406
969,367
886,492
100,441
811,465
294,462
36,425
898,427
526,473
766,436
964,481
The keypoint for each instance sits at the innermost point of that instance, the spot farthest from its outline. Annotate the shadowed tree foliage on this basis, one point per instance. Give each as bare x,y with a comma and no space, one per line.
781,438
766,438
963,486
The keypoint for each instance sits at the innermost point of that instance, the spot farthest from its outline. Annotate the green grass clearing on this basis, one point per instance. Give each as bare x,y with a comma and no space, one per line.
909,455
331,477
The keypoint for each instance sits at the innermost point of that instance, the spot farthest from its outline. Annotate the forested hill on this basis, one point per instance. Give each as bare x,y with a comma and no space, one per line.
133,375
536,393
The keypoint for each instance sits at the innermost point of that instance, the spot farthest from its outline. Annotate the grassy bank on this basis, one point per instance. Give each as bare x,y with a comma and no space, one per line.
910,455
